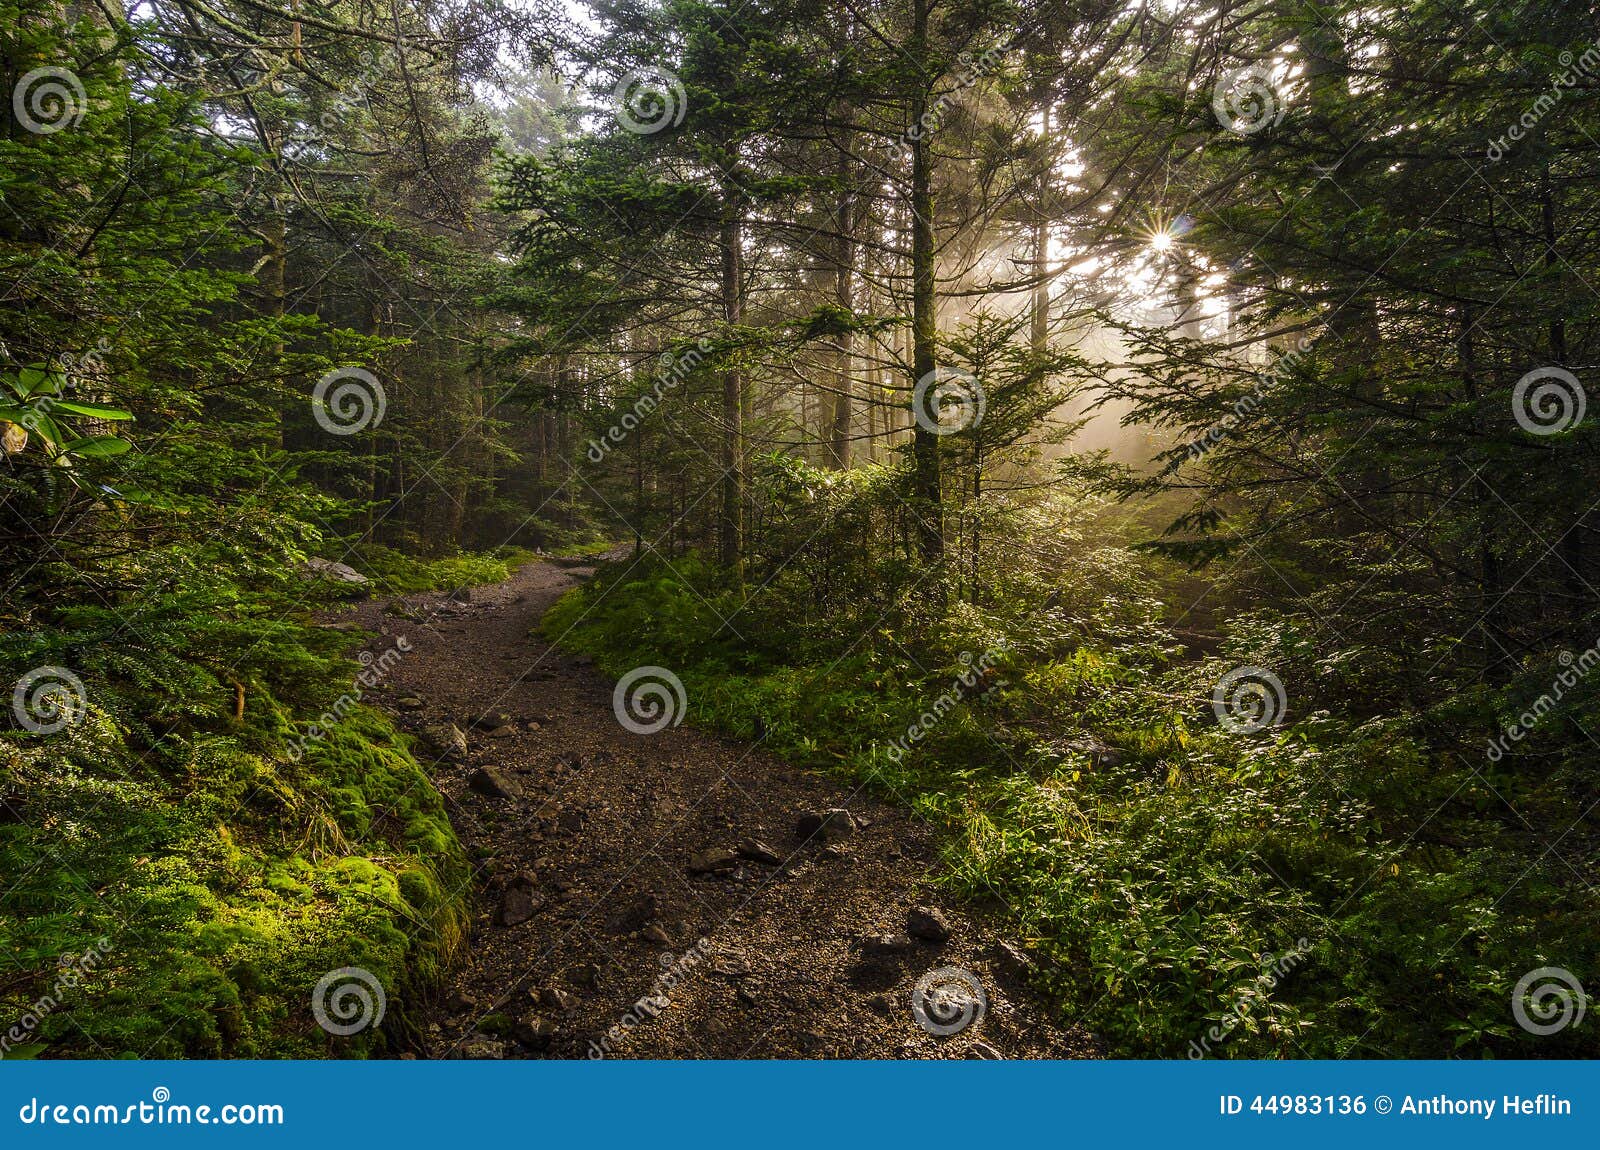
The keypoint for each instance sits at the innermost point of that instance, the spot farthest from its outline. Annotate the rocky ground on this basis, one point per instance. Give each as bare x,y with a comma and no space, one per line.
674,895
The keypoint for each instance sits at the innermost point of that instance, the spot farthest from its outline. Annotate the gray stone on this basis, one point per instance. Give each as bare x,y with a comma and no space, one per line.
757,851
445,739
585,976
981,1049
557,999
495,784
533,1031
517,907
731,964
319,568
887,945
928,923
479,1047
635,914
717,860
1013,960
825,826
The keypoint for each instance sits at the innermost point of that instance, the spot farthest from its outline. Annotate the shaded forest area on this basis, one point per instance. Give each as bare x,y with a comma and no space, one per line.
1147,439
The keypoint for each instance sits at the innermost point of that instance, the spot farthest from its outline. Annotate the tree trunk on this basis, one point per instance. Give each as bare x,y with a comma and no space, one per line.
733,398
844,298
924,443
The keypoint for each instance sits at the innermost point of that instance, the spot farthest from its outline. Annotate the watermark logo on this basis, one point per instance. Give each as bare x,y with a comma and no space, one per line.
348,1000
648,100
946,401
948,1000
348,400
649,699
1247,100
972,69
1548,999
374,669
46,100
1572,70
674,970
976,671
47,699
672,369
1575,670
1548,401
1248,405
1249,699
70,971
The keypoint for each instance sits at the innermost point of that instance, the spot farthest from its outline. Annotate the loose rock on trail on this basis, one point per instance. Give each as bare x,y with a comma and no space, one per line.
675,895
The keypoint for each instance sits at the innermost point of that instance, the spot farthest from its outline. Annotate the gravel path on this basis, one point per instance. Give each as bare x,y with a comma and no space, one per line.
651,896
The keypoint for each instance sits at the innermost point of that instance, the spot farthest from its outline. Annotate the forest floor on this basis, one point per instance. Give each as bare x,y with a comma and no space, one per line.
608,857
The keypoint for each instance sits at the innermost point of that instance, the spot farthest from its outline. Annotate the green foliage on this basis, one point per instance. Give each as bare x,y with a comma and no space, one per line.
394,571
224,876
1165,869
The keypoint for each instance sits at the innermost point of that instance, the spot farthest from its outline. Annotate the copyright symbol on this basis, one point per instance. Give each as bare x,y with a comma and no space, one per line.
1383,1104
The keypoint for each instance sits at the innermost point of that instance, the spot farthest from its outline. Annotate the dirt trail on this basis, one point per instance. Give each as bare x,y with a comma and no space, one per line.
586,901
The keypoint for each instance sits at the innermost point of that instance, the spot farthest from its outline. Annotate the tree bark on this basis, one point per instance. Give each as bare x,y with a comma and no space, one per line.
733,478
844,298
924,302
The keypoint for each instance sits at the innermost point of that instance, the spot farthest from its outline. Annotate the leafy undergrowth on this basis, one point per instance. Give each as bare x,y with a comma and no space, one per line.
195,876
1325,888
398,573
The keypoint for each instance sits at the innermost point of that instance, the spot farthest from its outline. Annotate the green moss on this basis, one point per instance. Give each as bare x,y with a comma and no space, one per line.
225,884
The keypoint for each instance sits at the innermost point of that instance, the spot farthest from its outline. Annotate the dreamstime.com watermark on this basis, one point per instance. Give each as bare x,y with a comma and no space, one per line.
947,1000
1248,405
1252,998
48,99
1573,69
947,400
71,969
648,100
1548,401
160,1110
374,64
1248,99
1576,669
671,370
1548,999
674,971
1248,700
972,69
374,669
649,699
348,400
965,683
47,699
348,1000
75,372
